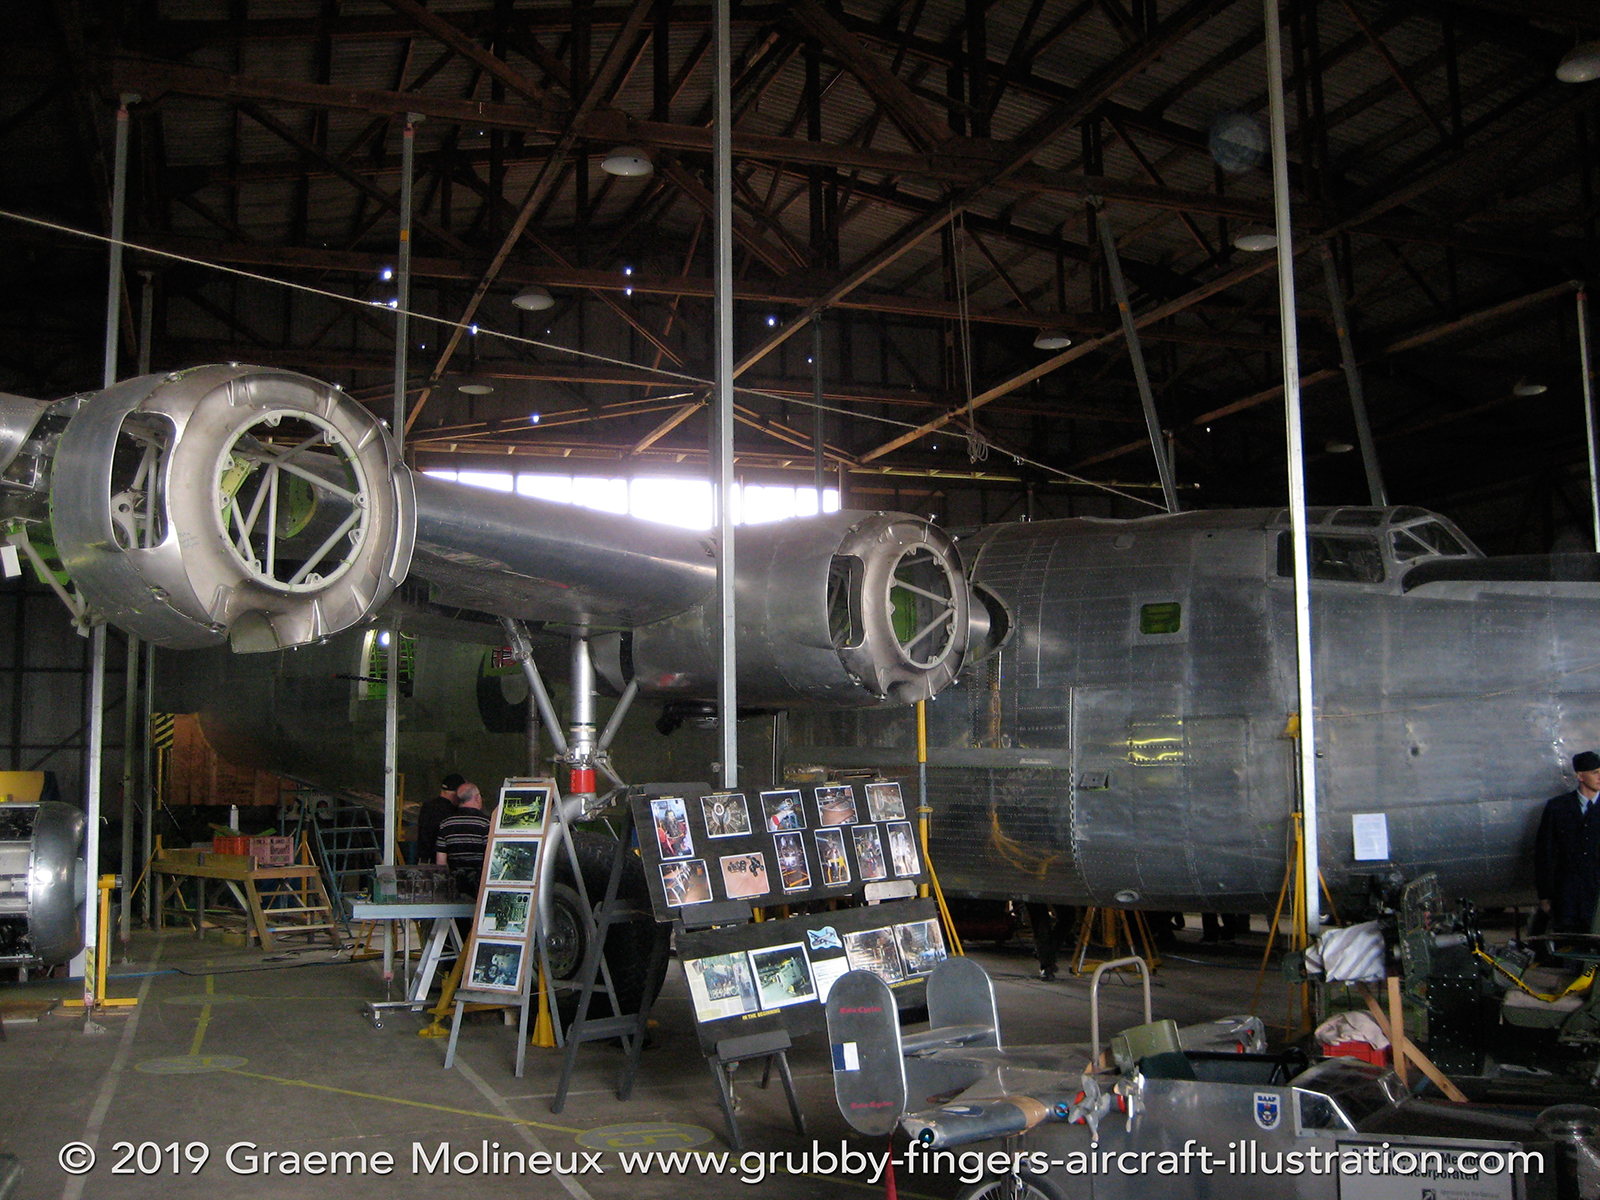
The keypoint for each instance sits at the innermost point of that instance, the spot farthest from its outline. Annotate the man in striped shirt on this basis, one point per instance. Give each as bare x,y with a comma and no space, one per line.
463,836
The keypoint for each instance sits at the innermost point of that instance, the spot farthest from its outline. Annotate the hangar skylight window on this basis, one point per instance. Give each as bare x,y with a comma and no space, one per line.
682,502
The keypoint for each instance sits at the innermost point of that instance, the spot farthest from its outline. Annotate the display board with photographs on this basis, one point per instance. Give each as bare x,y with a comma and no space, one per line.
500,948
781,846
775,974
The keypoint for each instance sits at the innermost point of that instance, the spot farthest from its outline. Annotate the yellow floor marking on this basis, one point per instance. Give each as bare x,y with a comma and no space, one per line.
205,1017
459,1112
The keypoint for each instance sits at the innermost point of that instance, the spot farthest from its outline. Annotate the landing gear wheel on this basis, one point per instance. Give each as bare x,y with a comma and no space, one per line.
1013,1187
628,944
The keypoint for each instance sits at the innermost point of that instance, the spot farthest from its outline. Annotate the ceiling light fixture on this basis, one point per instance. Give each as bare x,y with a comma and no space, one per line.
533,299
1525,389
1255,243
1581,64
630,162
475,389
1051,339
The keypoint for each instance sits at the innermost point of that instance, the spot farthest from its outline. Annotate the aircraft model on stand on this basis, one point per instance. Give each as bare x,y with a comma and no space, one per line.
1110,698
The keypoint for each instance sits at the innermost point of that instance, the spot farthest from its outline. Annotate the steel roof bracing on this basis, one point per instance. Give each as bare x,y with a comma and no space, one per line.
927,175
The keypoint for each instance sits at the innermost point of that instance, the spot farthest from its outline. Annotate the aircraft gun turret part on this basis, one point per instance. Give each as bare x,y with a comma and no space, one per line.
230,503
848,610
42,880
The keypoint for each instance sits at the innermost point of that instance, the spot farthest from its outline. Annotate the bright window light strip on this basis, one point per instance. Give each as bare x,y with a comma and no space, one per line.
682,502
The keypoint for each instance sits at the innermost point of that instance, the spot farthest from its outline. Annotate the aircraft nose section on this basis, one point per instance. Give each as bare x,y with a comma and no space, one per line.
230,503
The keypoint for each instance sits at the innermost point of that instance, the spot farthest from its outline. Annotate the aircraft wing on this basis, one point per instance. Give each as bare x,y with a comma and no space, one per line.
265,509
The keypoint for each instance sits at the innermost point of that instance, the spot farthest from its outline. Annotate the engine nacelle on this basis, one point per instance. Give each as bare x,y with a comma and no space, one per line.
42,880
230,503
851,609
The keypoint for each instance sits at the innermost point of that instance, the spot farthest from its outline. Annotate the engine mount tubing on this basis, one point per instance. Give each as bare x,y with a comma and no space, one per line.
624,703
541,698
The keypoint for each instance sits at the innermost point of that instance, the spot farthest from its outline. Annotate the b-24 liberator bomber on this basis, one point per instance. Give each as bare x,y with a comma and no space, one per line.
1111,701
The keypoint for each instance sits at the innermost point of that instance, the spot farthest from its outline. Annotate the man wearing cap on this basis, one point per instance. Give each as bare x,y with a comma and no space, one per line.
432,813
1566,868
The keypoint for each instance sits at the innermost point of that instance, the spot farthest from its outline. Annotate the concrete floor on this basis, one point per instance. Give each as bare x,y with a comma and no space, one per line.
229,1045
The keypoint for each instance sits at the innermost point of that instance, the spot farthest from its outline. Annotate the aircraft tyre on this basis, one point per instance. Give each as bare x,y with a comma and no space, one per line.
628,944
1014,1187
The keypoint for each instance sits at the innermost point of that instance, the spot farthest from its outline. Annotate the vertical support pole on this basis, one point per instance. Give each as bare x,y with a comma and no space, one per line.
1147,399
97,655
147,319
397,427
1310,868
1352,379
119,204
144,785
922,781
817,463
402,277
1588,407
722,187
661,51
130,737
92,933
147,788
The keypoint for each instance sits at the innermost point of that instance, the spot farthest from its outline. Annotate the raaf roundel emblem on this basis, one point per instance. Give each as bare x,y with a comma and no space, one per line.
1268,1113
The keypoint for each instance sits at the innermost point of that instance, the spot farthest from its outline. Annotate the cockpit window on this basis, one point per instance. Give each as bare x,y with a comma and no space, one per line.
1439,539
1340,558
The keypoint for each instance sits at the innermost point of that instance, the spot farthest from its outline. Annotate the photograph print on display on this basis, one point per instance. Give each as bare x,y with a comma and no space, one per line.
874,950
721,986
513,861
783,975
497,966
903,850
671,818
836,805
783,810
921,945
792,869
726,815
685,882
884,803
745,875
869,853
522,810
831,857
505,912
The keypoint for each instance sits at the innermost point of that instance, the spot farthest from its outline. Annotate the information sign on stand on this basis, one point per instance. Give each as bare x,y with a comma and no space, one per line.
709,857
501,943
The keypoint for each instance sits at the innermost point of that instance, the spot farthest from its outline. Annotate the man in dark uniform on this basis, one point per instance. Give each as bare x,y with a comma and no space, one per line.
1566,868
431,813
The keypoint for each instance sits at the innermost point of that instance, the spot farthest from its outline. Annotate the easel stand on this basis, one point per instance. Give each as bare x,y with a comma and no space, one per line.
595,975
1116,929
773,1046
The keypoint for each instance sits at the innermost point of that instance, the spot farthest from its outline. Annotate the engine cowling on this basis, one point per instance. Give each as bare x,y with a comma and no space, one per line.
847,610
227,503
